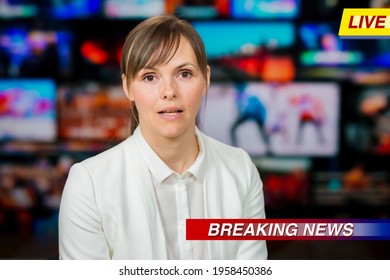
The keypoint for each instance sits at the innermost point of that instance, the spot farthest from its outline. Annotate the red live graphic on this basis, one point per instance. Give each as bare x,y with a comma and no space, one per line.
378,21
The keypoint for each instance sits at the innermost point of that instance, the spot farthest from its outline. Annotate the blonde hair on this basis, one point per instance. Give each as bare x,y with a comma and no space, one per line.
153,42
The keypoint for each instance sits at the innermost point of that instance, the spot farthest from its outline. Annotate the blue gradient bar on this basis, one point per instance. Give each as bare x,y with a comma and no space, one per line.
375,229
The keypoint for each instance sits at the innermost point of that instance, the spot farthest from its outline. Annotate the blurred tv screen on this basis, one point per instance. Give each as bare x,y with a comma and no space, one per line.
27,110
100,58
91,111
10,9
241,50
120,9
292,119
199,9
326,10
379,4
35,53
321,46
376,53
69,9
368,122
265,9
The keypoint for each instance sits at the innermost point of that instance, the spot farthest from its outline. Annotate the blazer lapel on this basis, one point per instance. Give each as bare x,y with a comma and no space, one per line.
155,230
154,218
212,205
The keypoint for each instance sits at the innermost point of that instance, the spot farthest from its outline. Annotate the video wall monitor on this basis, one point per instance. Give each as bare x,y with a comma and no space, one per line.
293,119
35,53
368,122
10,9
74,9
100,58
326,10
199,9
379,4
122,9
92,112
320,46
376,53
265,9
242,50
28,110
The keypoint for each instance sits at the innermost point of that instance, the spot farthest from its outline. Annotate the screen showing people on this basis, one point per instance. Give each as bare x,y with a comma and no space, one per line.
289,119
35,53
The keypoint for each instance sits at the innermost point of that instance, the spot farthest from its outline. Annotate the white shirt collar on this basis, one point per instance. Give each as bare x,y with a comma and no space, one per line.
158,167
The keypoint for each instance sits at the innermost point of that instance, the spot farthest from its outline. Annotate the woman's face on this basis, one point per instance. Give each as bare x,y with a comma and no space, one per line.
168,96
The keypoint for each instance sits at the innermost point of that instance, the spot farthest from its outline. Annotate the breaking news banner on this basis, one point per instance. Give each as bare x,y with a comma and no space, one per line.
229,230
371,23
288,229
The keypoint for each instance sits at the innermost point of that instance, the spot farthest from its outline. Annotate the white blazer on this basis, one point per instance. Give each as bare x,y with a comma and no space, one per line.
109,208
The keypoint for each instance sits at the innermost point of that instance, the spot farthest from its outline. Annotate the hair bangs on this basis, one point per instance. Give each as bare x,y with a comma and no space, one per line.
163,51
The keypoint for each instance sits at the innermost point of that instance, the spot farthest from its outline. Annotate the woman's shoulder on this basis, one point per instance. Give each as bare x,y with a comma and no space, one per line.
112,156
225,152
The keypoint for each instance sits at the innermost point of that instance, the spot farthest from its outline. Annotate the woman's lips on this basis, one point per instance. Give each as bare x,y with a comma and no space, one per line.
171,113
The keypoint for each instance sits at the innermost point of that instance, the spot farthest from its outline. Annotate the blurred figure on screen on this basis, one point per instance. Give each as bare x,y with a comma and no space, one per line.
42,59
310,111
249,108
132,201
329,42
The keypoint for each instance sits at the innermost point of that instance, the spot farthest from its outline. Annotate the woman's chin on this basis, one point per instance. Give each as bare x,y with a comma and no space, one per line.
173,130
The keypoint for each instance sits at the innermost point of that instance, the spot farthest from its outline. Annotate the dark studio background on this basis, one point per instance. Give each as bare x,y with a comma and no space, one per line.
61,102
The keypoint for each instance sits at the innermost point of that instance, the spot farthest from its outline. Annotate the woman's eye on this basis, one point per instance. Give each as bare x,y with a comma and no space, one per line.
186,74
149,78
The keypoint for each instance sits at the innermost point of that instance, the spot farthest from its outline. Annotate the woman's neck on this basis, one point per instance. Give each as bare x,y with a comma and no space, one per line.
178,153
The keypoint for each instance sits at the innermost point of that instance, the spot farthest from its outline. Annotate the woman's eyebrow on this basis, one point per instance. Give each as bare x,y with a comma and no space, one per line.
148,68
185,64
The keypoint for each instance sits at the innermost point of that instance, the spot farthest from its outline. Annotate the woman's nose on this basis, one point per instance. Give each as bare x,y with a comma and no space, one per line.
169,91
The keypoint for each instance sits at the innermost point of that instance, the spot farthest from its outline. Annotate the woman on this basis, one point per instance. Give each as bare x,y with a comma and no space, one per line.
131,201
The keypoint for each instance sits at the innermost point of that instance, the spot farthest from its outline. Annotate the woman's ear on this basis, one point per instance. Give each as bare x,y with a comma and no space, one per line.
126,88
